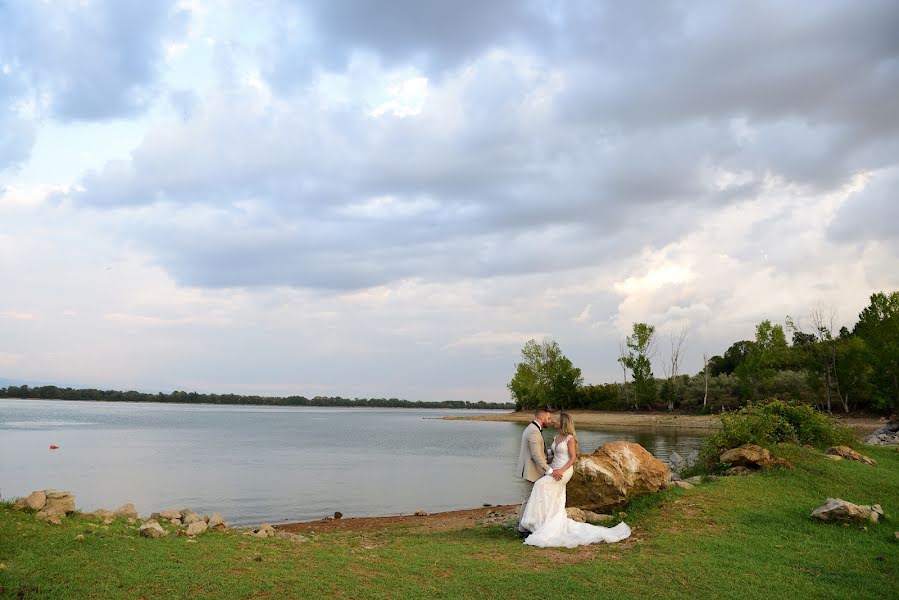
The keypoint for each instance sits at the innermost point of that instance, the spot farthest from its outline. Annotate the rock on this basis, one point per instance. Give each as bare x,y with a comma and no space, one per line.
683,485
206,519
20,504
263,531
293,537
152,529
833,457
176,522
696,479
613,474
125,510
59,502
216,519
52,517
169,514
677,462
190,517
576,514
835,509
132,520
739,470
36,500
747,455
597,518
847,452
196,528
887,435
338,515
79,537
780,463
420,513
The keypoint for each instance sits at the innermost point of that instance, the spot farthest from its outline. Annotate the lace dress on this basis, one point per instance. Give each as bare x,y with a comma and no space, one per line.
545,514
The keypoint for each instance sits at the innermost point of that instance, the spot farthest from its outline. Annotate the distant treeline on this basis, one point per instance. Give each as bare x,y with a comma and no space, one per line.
51,392
810,360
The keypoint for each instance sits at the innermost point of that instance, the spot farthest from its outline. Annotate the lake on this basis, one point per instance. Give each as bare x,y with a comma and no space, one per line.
273,464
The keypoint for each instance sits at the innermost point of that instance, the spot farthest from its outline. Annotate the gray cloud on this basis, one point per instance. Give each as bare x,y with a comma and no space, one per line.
600,129
872,213
91,60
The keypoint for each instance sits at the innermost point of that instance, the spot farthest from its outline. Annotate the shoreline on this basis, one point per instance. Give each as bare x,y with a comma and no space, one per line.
587,419
438,521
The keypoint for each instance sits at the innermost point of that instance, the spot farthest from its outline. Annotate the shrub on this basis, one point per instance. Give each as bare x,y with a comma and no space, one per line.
774,422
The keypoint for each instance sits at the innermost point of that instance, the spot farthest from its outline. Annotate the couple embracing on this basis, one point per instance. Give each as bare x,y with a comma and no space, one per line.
543,521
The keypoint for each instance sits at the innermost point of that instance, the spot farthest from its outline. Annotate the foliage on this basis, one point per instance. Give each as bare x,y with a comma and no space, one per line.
51,392
878,326
641,346
771,423
763,358
544,377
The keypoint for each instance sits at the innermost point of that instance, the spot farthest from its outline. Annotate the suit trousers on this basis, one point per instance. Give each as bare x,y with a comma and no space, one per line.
529,485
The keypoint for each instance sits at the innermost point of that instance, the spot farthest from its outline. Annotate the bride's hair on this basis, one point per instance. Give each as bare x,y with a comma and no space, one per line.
566,427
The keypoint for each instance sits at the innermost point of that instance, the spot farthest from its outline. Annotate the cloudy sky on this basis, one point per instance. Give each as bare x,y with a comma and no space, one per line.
389,198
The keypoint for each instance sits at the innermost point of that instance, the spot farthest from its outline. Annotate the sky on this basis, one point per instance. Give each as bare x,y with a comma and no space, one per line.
388,199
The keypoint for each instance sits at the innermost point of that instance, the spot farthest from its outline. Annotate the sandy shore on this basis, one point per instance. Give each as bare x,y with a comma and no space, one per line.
441,521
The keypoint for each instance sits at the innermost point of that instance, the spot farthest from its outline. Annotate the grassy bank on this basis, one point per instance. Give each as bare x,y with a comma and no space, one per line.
743,537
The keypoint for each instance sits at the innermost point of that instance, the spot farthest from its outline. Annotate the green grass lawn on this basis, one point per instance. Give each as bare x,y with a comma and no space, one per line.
741,537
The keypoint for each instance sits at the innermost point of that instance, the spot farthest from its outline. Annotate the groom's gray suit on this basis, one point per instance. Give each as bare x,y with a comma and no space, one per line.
532,463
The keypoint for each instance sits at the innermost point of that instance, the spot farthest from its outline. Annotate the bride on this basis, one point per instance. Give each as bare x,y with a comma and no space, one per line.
545,516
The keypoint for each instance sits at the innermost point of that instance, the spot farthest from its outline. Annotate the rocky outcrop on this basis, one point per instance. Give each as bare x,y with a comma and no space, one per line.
888,435
835,509
36,500
850,454
613,474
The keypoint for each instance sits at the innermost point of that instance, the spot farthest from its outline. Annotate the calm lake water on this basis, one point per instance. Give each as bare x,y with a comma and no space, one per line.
269,464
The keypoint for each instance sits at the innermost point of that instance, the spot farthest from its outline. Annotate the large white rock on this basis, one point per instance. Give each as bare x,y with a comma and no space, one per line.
196,528
835,509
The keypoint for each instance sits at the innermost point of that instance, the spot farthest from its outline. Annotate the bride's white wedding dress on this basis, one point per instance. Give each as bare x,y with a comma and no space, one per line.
545,516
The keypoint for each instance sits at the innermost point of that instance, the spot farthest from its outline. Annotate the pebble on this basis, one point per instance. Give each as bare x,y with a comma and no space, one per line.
79,537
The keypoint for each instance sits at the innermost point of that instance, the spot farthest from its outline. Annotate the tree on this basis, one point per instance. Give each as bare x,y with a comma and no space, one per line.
878,326
545,377
672,365
705,377
767,353
622,360
641,346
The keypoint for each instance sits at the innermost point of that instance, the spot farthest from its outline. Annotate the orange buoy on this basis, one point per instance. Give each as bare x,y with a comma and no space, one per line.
53,446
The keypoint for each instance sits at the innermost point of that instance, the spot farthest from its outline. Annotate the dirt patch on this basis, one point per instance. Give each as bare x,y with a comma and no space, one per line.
444,521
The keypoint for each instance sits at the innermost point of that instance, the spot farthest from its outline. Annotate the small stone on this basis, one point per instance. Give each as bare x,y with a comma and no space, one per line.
293,537
694,480
623,515
338,515
191,541
20,504
169,514
196,528
152,529
421,513
257,558
3,565
683,485
79,537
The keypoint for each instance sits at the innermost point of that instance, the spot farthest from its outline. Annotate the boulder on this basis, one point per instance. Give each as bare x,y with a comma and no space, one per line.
57,501
125,510
169,514
53,517
576,514
36,500
196,528
613,474
188,517
152,529
176,522
683,484
887,435
217,523
747,455
835,509
20,504
833,457
849,453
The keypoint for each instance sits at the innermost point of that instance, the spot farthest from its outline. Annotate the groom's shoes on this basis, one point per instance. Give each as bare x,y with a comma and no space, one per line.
523,534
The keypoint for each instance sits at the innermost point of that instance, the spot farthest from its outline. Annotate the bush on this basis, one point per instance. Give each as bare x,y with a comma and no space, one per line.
774,422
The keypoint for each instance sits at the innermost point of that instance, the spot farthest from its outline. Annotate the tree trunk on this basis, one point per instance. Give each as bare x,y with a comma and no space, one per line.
705,371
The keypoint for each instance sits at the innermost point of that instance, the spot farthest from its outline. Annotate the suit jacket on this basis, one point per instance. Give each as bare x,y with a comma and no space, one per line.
532,463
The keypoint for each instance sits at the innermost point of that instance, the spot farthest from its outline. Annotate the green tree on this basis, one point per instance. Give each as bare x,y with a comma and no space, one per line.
544,377
768,352
878,326
640,350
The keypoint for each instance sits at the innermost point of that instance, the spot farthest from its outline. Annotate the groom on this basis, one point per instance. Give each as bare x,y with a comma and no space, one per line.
532,463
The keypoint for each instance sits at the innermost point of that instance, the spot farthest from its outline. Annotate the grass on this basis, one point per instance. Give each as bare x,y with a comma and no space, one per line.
741,537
